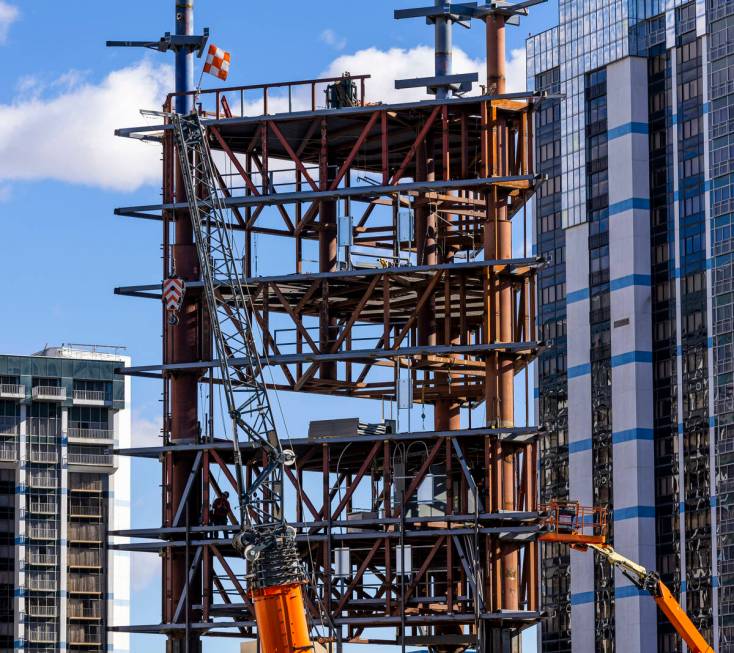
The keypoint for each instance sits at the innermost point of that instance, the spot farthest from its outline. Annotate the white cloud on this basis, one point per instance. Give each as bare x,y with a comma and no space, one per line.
69,136
8,15
330,37
386,66
146,432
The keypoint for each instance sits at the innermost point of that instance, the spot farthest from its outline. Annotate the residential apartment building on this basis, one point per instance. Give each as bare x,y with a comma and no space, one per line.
61,488
637,392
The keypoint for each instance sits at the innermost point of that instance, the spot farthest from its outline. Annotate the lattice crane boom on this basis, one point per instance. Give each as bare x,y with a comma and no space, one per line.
266,540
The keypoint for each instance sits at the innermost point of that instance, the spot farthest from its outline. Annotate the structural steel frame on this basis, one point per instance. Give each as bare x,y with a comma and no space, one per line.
457,316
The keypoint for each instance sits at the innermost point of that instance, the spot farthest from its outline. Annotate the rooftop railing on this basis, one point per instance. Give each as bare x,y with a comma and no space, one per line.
262,99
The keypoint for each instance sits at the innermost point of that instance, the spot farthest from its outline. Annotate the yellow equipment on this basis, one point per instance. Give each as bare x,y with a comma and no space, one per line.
586,528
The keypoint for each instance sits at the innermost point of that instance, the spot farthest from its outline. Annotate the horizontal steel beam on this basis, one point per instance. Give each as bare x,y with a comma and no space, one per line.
359,355
131,132
153,291
520,435
372,192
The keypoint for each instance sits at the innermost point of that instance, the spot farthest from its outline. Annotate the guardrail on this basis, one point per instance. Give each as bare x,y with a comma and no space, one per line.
8,452
90,433
89,395
53,392
12,391
299,95
42,481
90,459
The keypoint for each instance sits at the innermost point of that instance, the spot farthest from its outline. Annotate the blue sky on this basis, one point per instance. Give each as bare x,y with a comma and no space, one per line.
62,172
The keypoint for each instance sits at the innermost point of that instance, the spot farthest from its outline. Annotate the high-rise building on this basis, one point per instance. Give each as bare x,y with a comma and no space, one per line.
61,488
637,392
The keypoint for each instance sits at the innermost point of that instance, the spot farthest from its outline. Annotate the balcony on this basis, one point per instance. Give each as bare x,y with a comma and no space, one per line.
86,533
86,635
45,456
91,432
85,508
79,484
41,582
42,481
48,393
42,532
41,608
41,633
94,458
39,559
84,584
90,398
89,610
38,507
8,452
85,559
12,391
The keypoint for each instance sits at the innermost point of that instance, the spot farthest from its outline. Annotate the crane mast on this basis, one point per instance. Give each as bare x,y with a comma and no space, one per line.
265,540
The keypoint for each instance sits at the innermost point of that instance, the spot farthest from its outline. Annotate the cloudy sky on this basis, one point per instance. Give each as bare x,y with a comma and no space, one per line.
62,171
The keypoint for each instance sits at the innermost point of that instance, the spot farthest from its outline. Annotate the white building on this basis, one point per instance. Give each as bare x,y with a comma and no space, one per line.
62,412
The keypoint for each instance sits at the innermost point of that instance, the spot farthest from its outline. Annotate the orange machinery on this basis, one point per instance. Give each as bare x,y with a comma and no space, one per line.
586,528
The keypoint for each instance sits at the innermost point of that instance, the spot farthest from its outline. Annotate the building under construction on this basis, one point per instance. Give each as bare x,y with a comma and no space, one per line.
421,538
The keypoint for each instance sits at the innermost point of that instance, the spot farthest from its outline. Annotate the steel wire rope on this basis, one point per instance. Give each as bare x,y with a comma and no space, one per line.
299,487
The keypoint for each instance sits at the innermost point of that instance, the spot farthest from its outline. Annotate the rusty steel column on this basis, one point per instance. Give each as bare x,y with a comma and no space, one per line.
184,346
327,253
500,371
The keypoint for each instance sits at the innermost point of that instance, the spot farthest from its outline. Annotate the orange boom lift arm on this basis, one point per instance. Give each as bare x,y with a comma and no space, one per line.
586,528
276,576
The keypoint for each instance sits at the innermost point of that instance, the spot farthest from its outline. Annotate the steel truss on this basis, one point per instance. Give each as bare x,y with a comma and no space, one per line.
450,309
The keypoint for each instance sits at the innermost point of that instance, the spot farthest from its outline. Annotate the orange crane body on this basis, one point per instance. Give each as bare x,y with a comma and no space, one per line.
586,528
280,613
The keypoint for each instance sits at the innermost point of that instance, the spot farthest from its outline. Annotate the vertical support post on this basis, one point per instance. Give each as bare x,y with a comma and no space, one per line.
327,253
185,345
442,27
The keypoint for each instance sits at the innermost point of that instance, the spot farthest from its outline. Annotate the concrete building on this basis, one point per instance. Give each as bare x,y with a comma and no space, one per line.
61,413
637,393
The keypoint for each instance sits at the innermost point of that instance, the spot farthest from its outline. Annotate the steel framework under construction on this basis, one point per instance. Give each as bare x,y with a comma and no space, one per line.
417,300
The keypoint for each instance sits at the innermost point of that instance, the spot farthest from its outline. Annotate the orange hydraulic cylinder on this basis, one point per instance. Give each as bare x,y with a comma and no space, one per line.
280,613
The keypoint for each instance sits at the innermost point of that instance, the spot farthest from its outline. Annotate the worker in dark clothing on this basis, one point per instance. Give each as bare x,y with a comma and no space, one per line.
220,513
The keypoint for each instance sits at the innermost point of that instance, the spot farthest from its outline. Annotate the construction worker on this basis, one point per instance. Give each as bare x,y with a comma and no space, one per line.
220,513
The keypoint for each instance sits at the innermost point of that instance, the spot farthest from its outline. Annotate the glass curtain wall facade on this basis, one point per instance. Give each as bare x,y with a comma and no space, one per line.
640,413
61,414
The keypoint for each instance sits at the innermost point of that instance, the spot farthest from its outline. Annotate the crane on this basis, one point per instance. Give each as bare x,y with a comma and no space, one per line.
585,529
277,578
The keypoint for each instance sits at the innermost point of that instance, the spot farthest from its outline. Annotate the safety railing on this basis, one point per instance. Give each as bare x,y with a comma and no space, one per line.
41,582
85,634
8,452
42,480
12,391
41,507
42,559
96,459
41,633
45,608
89,609
84,584
91,558
570,522
89,396
86,433
85,533
78,483
46,456
82,508
263,99
49,393
42,532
